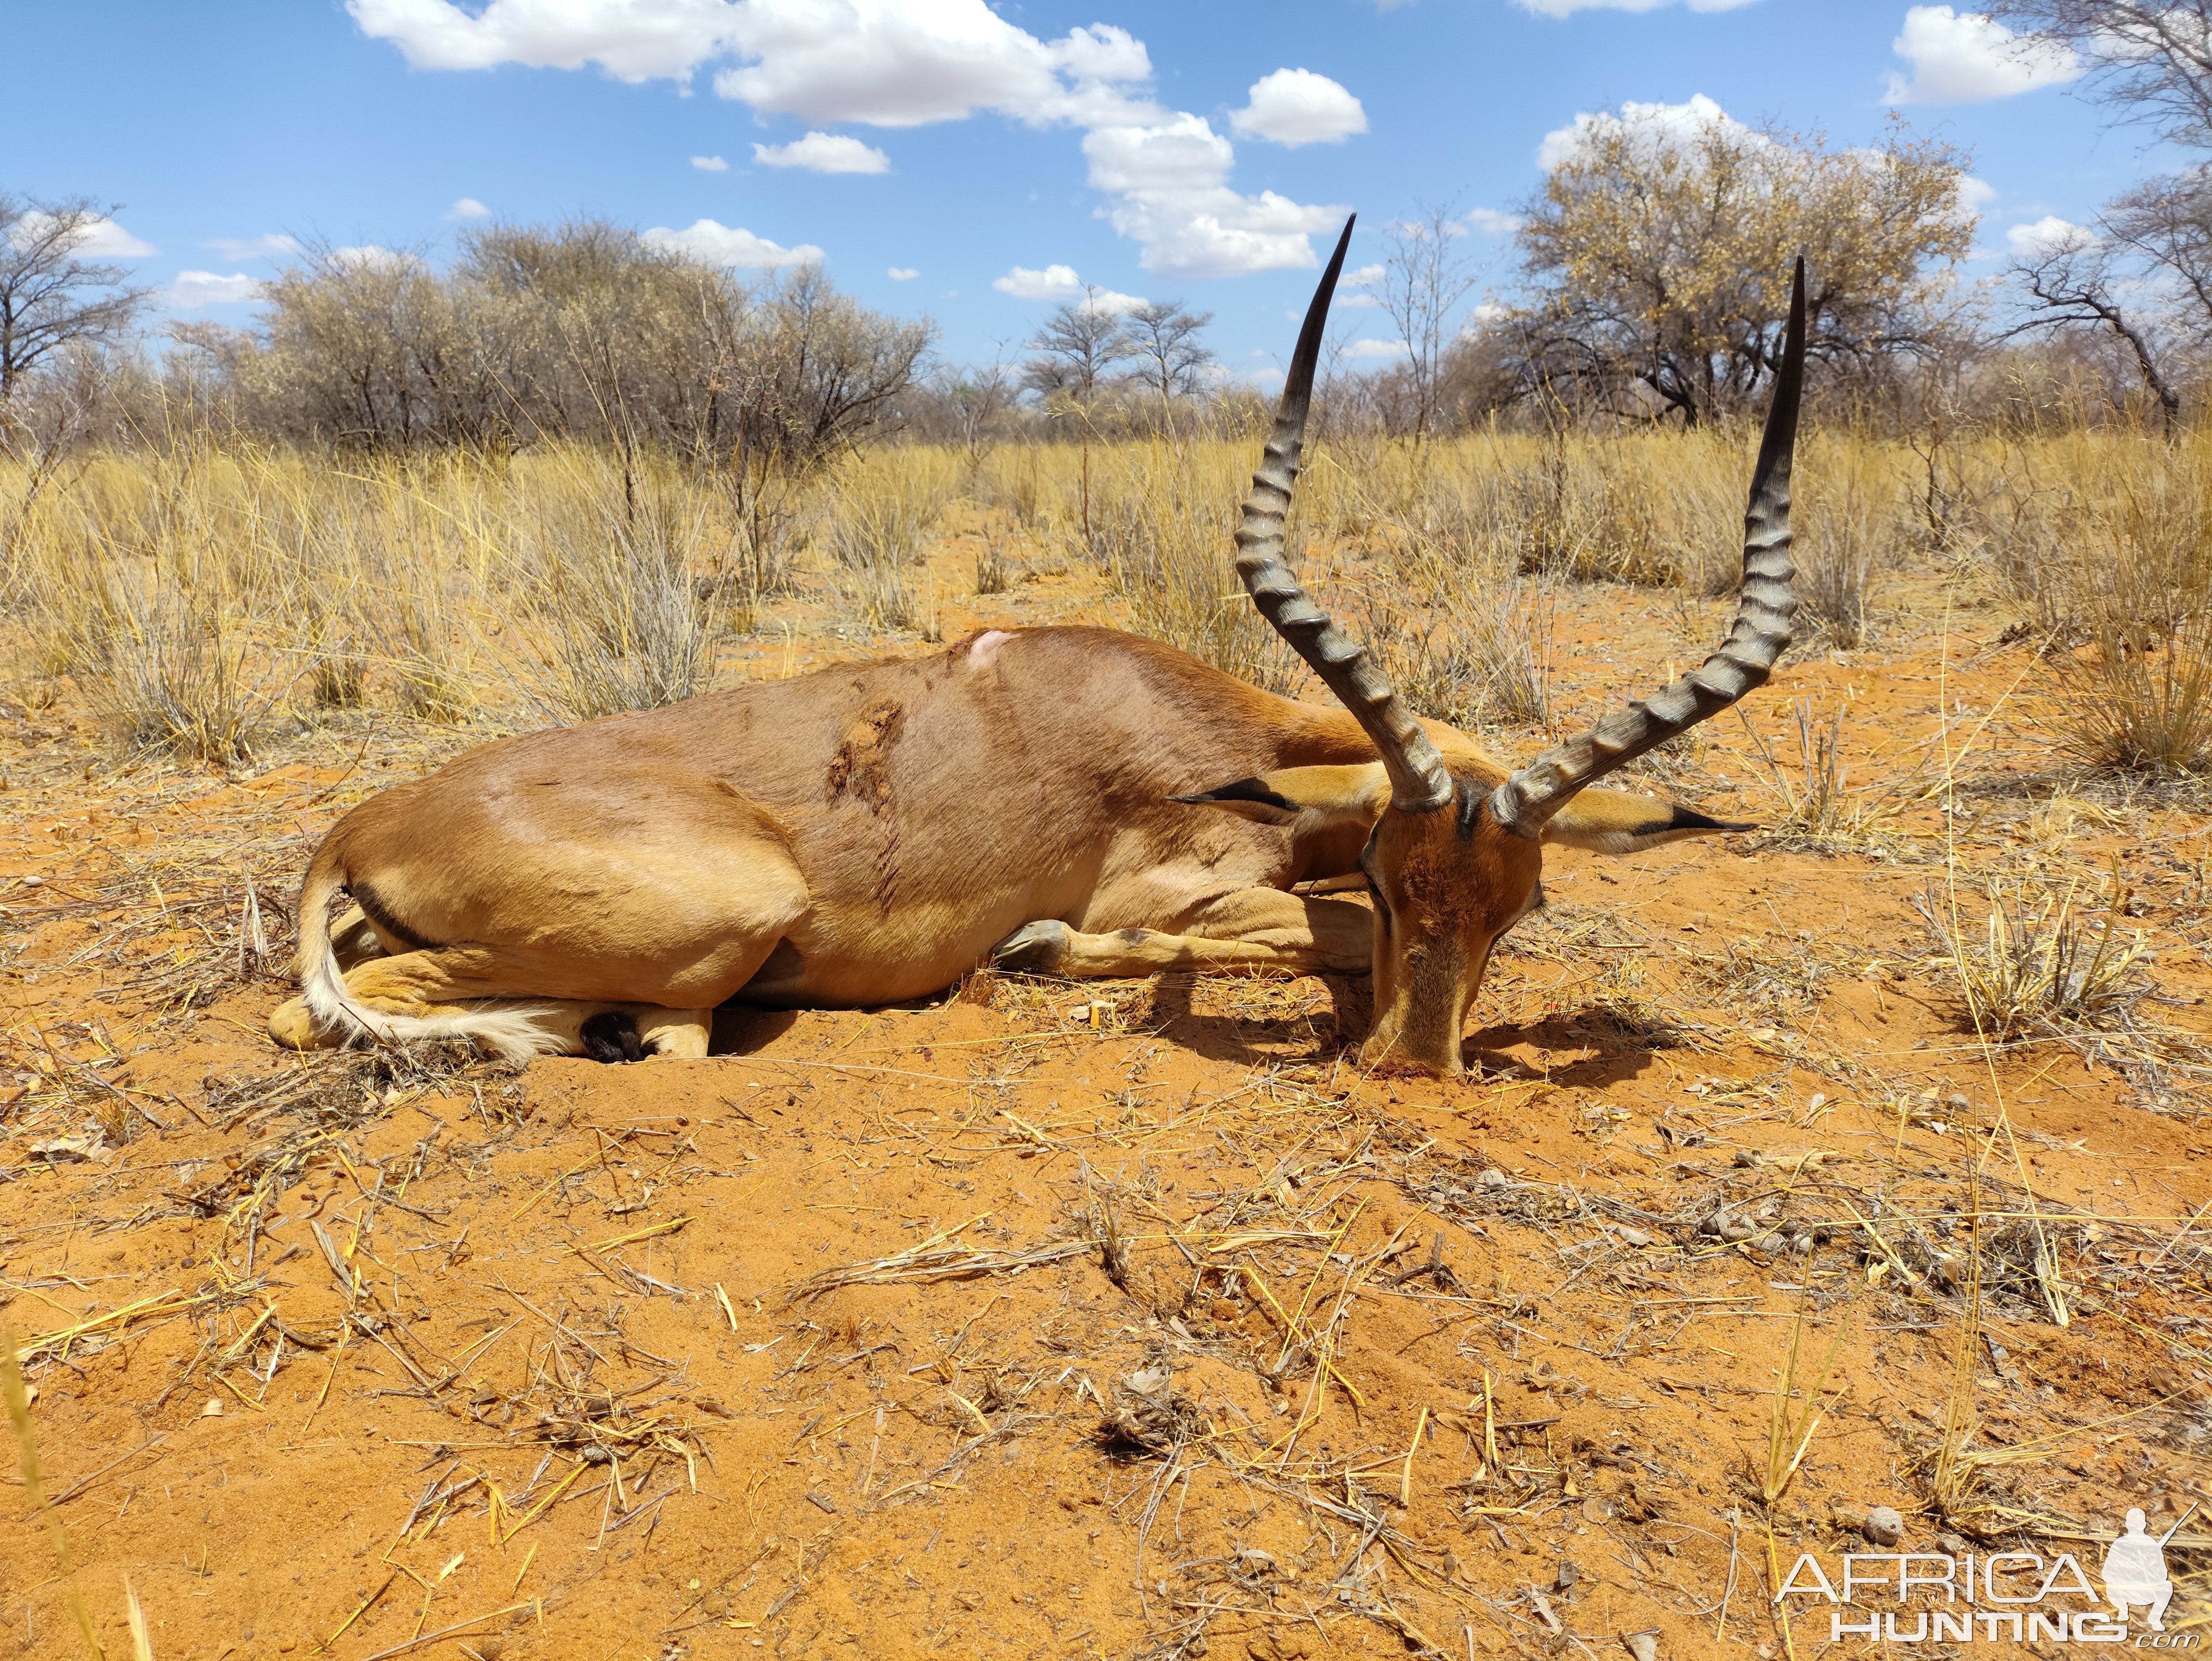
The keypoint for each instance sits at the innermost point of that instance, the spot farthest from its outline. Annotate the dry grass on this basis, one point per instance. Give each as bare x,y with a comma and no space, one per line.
1822,811
202,596
2038,964
875,517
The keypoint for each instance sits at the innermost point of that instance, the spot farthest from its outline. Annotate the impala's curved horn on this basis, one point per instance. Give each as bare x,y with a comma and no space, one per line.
1757,638
1419,782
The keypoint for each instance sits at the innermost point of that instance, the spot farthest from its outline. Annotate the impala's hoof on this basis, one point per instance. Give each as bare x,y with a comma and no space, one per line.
612,1036
1035,948
293,1027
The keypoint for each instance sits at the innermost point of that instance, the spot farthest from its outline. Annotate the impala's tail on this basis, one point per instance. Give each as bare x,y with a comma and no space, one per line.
516,1031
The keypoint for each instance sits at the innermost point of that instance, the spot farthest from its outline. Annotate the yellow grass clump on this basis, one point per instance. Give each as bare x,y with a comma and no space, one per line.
202,595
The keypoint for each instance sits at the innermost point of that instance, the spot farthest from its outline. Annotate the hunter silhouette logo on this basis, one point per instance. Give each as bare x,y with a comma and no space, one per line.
2135,1570
2001,1597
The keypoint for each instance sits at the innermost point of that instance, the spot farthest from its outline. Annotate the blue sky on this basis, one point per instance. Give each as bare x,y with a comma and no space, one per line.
1190,150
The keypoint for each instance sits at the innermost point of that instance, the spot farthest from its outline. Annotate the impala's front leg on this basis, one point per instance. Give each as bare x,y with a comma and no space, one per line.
1252,928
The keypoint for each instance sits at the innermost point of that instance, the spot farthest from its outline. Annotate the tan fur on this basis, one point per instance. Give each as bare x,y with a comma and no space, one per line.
870,833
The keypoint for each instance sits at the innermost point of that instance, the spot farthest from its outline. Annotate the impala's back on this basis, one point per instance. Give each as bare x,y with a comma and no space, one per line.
928,807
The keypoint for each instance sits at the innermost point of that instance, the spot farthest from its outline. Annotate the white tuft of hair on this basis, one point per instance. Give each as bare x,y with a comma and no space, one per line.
515,1032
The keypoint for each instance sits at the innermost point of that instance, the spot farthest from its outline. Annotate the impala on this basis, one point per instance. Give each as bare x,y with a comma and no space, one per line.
1070,801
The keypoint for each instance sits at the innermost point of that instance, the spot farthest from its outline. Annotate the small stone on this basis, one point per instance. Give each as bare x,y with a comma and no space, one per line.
1644,1646
214,1408
1883,1526
34,882
1494,1179
1635,1237
1957,1104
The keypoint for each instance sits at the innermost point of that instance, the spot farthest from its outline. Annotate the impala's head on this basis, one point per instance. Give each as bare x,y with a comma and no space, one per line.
1452,862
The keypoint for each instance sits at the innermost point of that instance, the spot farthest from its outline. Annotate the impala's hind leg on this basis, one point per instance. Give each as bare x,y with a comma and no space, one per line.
1250,929
470,992
353,940
630,1032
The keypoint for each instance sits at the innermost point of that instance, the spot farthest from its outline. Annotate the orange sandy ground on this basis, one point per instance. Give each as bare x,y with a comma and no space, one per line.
331,1356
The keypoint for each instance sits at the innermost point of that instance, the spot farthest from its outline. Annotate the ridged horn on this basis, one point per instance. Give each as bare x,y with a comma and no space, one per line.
1755,640
1419,782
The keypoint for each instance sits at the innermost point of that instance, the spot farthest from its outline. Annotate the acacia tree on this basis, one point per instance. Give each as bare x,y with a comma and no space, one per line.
2150,62
1423,279
2150,59
1164,337
1075,347
2076,280
49,299
1660,252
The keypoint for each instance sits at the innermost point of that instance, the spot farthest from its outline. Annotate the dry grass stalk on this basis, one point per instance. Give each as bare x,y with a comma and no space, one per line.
17,1400
2038,967
1791,1424
932,1260
2121,706
1822,811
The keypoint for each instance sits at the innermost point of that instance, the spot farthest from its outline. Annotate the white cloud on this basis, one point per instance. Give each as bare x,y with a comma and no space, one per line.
906,63
823,152
368,257
468,208
710,164
1297,107
903,273
1052,282
1359,277
1172,177
1375,348
193,290
900,63
734,245
1492,222
632,41
890,63
1060,282
272,245
1568,8
1660,126
2047,236
100,239
1965,57
1975,194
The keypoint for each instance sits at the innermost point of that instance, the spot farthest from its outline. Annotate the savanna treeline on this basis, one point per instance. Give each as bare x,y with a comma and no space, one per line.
567,472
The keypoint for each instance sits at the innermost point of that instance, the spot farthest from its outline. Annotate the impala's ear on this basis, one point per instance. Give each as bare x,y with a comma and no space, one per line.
1311,798
1615,821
